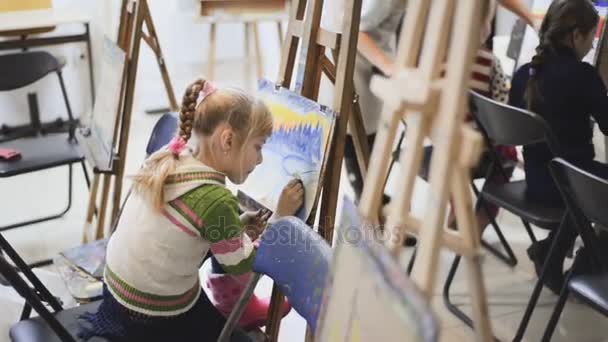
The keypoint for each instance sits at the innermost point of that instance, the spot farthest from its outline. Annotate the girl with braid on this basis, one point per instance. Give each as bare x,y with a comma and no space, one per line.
179,211
567,93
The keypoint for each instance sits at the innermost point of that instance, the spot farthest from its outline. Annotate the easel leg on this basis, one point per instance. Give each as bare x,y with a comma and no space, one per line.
359,138
160,59
247,53
211,53
105,193
258,53
91,209
280,32
481,316
380,158
469,232
274,315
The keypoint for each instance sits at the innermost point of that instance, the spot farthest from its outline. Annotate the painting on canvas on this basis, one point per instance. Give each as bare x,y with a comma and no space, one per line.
296,148
368,297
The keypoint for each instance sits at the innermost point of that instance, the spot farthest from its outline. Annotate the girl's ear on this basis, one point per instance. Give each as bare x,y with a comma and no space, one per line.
226,140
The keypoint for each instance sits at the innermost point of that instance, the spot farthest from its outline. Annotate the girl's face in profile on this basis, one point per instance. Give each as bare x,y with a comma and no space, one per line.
583,43
246,158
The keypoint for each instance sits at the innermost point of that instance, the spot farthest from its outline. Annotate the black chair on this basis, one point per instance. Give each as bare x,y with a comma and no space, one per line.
40,149
55,325
61,325
486,165
586,196
501,124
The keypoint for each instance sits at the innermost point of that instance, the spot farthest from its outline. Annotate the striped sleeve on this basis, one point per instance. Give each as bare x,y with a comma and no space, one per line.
212,212
230,245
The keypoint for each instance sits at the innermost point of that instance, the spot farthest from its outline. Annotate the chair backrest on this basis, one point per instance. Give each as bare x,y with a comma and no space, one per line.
585,195
164,130
297,259
588,192
511,126
368,296
18,70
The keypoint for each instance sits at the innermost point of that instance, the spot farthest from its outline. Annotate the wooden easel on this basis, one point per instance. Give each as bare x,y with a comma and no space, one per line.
434,108
306,31
134,15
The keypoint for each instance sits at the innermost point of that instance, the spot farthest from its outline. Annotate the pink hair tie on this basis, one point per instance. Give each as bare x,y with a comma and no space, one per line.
177,145
208,89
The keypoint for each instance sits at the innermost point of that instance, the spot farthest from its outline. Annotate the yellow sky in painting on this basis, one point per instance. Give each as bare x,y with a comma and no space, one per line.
287,117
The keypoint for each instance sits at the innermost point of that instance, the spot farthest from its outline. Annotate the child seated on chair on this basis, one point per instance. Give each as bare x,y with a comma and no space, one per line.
179,211
566,92
489,79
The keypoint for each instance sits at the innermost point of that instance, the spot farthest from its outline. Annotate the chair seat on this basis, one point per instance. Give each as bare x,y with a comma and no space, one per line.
593,289
512,197
36,329
40,152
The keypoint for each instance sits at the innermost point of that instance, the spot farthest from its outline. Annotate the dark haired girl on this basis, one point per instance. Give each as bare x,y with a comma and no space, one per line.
567,93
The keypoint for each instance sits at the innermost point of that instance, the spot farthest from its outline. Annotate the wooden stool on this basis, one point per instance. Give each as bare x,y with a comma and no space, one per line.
248,12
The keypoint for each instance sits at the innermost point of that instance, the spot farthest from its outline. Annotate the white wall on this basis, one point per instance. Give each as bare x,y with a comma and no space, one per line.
183,40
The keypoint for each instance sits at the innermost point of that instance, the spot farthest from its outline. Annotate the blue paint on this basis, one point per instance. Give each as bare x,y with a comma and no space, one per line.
298,261
304,141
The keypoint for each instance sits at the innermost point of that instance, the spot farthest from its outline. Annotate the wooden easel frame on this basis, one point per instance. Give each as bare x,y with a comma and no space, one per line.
304,30
434,107
133,16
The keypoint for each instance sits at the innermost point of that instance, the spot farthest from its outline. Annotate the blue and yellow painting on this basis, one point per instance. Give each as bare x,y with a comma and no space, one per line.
296,148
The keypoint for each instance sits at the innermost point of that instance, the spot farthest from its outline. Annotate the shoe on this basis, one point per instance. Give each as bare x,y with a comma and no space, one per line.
554,279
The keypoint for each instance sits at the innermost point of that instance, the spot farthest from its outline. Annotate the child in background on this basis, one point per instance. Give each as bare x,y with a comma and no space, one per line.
179,211
566,92
489,79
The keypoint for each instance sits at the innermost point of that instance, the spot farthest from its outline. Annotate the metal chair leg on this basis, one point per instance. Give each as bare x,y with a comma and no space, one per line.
446,294
557,312
410,265
525,320
559,306
86,174
236,313
530,232
30,296
510,258
27,311
45,294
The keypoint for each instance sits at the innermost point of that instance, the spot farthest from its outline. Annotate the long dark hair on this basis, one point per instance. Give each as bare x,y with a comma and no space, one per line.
561,20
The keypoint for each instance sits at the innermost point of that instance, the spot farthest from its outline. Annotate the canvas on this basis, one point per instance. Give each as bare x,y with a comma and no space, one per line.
368,296
296,148
97,134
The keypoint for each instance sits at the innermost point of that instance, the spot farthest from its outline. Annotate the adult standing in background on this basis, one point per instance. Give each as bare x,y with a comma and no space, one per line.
377,49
